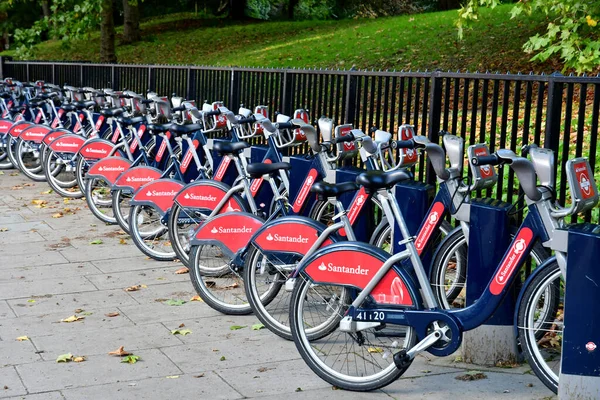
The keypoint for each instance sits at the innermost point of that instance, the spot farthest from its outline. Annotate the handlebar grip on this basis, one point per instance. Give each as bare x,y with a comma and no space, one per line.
146,101
349,137
486,160
210,113
249,120
180,108
403,144
285,125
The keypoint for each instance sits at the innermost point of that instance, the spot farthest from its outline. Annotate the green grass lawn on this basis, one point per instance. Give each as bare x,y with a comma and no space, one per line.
422,41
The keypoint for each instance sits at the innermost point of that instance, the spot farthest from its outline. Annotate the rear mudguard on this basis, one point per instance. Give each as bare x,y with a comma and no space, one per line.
95,149
231,232
158,194
18,127
132,179
5,125
292,235
70,143
354,264
34,133
205,195
109,169
53,134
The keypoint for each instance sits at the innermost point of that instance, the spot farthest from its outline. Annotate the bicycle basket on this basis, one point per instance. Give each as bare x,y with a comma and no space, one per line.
484,176
258,128
407,157
584,192
220,120
244,131
346,149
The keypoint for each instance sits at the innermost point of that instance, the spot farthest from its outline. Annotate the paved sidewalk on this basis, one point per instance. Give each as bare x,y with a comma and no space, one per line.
49,271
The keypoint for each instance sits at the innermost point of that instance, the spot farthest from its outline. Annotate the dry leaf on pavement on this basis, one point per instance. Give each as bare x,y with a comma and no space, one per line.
182,271
119,352
72,318
112,314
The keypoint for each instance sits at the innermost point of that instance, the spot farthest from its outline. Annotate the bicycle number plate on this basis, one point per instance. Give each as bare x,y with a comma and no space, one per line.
369,316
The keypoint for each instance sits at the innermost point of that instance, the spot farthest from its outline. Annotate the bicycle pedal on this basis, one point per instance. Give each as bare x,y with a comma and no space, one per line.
402,359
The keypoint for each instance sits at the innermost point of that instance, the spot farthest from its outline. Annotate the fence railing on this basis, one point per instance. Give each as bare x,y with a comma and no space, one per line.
503,110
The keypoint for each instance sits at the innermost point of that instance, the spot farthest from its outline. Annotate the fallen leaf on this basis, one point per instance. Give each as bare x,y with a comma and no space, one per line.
143,286
66,200
375,350
22,338
119,352
222,358
472,376
257,327
181,332
199,376
72,318
57,215
14,174
28,184
65,358
182,271
79,359
298,389
97,241
197,298
79,310
49,191
133,288
131,359
232,286
236,327
31,301
122,241
3,229
181,325
16,187
38,202
112,314
172,302
173,377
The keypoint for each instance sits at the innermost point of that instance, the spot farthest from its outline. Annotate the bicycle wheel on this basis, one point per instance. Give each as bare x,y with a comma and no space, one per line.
29,160
61,176
99,200
121,208
540,324
360,361
219,284
449,269
263,281
149,234
11,151
5,162
182,224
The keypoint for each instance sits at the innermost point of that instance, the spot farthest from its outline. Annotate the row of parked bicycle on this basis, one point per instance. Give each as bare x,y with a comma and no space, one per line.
320,251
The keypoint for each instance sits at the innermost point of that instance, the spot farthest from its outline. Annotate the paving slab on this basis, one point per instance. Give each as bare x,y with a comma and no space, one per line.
131,263
151,276
29,288
96,370
207,386
44,272
182,290
87,342
13,352
39,396
6,311
69,302
160,312
10,383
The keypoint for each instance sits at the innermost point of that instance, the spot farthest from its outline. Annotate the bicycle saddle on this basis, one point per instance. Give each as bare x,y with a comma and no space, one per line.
68,107
158,128
111,112
325,190
230,147
373,180
183,129
84,104
257,170
131,121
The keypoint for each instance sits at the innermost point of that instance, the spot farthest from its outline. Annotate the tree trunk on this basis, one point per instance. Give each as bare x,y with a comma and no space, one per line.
131,25
107,34
46,8
444,5
291,5
236,9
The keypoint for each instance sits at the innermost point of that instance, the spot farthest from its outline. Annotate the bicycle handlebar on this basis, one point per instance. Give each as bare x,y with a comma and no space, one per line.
349,137
403,144
250,120
486,160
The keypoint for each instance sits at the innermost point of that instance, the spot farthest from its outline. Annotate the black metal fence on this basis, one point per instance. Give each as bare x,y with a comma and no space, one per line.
503,110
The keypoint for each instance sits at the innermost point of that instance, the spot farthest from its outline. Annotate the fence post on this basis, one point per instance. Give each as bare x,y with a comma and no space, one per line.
1,67
27,69
351,97
151,78
54,74
286,101
553,116
234,90
189,84
112,78
435,118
